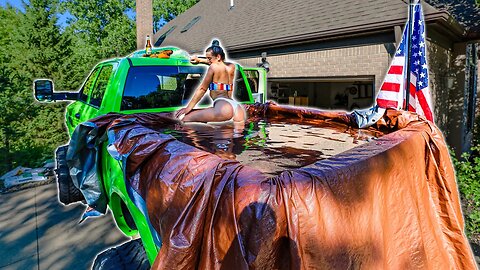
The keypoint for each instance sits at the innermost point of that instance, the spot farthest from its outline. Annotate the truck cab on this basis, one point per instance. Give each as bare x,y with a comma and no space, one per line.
138,83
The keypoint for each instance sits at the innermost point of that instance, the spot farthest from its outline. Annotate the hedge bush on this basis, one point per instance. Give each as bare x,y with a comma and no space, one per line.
468,177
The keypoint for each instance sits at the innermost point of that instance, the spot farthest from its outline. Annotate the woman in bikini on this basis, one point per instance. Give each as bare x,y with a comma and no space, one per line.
219,80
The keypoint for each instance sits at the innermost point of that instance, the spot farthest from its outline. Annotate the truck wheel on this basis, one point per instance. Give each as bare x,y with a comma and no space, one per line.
67,191
129,255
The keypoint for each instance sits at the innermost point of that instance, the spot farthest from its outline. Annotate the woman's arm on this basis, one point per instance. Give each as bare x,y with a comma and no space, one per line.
196,60
199,93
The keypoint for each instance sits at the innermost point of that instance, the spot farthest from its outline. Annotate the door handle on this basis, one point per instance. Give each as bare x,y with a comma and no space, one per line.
77,115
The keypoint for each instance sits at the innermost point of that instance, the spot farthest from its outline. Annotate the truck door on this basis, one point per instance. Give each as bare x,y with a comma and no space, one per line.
257,80
75,111
96,93
96,99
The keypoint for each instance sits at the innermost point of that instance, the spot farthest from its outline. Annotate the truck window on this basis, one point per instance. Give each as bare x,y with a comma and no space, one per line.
240,92
149,87
100,85
252,78
87,87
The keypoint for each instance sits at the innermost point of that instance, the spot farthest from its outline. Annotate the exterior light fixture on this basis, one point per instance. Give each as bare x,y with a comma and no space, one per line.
264,62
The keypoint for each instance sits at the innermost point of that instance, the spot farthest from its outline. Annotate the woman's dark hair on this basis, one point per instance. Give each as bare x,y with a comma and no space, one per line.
216,49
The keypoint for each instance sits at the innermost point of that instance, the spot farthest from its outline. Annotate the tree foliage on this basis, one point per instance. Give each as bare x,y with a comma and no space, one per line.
466,12
102,27
33,45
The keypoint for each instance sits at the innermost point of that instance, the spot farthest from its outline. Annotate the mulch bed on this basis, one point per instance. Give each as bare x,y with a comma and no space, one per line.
4,190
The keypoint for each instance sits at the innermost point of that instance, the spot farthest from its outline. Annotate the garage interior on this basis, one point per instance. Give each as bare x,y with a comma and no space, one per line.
323,93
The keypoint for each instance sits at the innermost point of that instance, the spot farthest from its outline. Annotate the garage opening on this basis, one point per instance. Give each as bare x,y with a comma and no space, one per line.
323,93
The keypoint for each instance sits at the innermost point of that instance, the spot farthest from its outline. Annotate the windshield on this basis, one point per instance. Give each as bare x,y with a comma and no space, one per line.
149,87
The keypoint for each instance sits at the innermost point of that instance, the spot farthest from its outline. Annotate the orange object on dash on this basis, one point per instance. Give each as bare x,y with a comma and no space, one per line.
165,54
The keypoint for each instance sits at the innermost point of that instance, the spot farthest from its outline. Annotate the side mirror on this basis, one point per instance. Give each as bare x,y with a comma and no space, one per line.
43,89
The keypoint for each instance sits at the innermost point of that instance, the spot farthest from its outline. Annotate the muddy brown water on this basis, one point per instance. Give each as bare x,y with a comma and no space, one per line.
273,146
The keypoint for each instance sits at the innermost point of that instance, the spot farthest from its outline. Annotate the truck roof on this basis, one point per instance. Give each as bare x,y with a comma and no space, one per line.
159,56
176,53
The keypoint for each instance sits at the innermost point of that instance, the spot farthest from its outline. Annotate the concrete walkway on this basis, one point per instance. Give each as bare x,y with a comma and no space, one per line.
37,232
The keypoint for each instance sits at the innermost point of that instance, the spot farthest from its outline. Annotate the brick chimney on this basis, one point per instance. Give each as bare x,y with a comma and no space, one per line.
144,22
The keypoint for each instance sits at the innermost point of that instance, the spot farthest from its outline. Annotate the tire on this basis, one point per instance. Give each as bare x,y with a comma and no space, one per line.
128,256
67,192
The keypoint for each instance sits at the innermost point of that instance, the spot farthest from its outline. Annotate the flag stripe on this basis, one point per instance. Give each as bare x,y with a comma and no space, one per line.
398,70
388,95
424,105
394,87
412,104
391,89
394,78
387,103
398,60
412,90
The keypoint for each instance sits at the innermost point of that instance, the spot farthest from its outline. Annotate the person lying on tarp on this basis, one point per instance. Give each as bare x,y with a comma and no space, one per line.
219,80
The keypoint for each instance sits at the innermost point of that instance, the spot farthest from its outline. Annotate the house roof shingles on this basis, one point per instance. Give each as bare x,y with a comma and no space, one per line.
252,23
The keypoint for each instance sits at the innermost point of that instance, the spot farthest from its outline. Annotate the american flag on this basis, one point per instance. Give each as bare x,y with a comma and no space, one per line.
391,93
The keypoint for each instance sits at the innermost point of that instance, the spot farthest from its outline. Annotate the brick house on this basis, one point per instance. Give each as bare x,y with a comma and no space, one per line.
335,54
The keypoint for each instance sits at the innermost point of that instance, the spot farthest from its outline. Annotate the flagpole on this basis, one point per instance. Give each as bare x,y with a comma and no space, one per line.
408,53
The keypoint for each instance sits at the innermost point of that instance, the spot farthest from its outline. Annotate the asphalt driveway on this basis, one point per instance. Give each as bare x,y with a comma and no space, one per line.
37,232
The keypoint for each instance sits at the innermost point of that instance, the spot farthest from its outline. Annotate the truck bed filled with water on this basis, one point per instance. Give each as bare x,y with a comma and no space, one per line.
294,188
272,146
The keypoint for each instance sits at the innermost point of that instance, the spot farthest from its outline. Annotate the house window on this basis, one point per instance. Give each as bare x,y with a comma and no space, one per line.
190,24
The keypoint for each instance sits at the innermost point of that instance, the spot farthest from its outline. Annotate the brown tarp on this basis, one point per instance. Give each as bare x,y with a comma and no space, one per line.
389,204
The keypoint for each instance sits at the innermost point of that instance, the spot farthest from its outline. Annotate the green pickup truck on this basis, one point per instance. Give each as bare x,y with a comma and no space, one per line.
135,84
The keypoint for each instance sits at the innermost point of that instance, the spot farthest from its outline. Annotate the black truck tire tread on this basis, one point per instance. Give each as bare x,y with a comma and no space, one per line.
127,256
67,191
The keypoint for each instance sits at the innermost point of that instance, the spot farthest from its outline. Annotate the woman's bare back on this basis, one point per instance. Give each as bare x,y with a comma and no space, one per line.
221,74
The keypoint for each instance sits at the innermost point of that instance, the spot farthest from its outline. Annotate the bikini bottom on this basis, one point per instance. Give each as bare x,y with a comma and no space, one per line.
232,103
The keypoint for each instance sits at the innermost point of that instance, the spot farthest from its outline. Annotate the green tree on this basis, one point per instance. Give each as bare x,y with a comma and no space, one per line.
98,30
11,102
105,24
102,27
466,12
32,47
